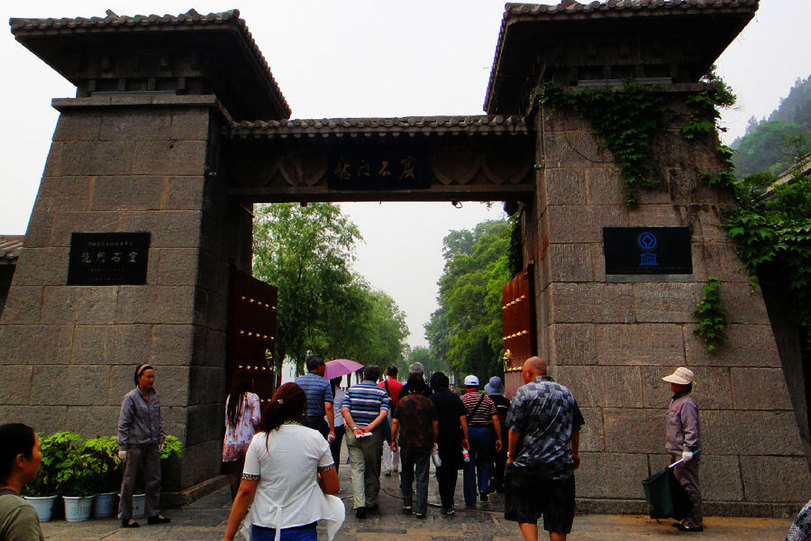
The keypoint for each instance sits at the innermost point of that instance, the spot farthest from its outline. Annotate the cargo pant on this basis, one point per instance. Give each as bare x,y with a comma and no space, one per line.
146,459
687,475
364,456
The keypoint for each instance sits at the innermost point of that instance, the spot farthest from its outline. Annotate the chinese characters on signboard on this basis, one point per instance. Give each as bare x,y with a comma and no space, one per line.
100,259
384,171
647,250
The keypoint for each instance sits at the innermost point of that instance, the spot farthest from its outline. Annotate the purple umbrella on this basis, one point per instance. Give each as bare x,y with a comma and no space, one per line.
341,367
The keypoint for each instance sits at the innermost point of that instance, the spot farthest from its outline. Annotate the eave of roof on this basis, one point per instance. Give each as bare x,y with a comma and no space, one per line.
380,127
570,10
10,246
24,29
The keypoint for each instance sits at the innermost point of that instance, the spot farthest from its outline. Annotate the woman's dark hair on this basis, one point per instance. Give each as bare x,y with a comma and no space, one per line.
439,381
139,371
289,403
240,386
689,388
15,439
335,383
416,384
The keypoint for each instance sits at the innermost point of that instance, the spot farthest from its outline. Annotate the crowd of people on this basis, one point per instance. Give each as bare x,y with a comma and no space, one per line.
284,462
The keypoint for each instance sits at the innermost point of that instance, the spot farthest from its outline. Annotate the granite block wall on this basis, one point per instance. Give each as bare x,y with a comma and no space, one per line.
68,352
611,339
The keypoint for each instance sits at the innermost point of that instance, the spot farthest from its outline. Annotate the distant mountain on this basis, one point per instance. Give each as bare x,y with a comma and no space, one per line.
774,144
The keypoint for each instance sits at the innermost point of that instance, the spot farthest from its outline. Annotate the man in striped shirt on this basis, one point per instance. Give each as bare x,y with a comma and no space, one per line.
364,409
481,415
318,391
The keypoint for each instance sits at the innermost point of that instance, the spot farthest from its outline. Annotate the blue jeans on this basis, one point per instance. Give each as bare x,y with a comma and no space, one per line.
308,533
479,466
412,457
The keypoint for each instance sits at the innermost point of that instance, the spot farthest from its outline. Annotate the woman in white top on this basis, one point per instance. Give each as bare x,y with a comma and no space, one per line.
340,425
242,415
288,473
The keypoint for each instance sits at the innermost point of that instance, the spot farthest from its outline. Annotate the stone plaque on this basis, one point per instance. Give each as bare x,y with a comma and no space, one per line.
647,250
108,259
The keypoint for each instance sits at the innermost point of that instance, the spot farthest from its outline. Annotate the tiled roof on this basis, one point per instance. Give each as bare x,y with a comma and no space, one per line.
368,127
617,7
10,246
143,23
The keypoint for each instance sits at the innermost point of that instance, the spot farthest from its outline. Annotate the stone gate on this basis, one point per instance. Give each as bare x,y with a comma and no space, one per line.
178,127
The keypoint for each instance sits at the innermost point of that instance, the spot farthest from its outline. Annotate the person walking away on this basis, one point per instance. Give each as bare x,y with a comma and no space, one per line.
481,415
140,438
289,477
416,369
544,424
414,431
243,413
365,408
391,459
452,438
495,390
340,425
683,440
320,413
20,457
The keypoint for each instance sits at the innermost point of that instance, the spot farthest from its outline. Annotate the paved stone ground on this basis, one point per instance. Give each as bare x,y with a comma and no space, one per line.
205,520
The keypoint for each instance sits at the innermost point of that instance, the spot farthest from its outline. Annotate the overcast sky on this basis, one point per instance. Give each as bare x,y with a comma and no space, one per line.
369,58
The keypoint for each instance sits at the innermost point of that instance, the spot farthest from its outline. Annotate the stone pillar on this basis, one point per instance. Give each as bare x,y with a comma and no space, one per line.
127,164
611,341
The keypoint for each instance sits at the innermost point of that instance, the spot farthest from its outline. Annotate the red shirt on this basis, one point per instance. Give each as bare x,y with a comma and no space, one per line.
394,387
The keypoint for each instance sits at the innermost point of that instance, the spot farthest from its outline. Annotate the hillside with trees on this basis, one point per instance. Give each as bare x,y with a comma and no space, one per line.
772,145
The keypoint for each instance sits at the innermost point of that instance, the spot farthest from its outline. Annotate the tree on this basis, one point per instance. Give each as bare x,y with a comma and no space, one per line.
306,252
466,330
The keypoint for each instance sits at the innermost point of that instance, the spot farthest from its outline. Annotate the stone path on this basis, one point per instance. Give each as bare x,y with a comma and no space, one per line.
205,520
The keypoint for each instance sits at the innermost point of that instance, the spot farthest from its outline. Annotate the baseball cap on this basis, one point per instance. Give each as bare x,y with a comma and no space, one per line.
471,381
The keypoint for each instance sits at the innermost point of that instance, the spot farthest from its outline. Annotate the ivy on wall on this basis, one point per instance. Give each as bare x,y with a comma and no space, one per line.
626,119
712,325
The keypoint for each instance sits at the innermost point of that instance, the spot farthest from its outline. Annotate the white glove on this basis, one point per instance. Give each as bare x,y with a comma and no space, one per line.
686,456
122,455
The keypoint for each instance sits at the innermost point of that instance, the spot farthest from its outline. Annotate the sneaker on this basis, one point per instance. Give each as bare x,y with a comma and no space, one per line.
158,519
360,513
419,515
683,528
448,510
407,510
483,496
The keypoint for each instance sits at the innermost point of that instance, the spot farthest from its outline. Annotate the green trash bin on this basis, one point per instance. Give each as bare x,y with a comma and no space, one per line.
658,493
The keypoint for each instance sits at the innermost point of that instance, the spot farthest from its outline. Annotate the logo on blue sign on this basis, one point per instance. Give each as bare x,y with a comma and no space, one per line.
647,242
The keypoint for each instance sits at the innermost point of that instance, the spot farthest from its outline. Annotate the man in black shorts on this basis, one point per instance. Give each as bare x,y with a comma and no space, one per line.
539,479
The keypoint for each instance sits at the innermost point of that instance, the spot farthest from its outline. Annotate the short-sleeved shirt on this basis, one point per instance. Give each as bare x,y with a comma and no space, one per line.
318,390
416,415
502,404
287,461
365,401
18,519
392,387
449,409
481,415
545,414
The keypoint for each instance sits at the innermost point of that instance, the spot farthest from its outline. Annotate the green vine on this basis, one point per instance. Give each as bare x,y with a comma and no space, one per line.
725,177
626,119
775,234
705,114
712,326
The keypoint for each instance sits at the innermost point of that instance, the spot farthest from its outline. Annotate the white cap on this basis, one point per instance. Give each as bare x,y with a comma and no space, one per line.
471,381
682,376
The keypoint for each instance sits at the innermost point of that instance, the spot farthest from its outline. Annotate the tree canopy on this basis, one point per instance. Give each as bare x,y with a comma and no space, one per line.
466,330
323,307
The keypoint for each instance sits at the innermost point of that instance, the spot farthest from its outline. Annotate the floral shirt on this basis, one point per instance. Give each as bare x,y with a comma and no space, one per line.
416,414
237,438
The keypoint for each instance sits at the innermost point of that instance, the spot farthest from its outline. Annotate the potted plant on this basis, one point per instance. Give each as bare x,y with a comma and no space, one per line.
101,458
170,463
42,492
74,477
